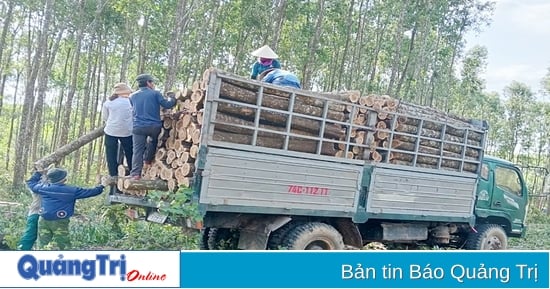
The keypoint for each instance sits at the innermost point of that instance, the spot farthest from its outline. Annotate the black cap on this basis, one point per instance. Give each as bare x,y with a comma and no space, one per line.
144,77
56,175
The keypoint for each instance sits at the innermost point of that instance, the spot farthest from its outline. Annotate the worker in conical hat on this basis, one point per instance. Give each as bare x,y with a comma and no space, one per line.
267,58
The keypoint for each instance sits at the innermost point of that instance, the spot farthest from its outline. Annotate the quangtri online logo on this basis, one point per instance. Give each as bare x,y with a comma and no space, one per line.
96,269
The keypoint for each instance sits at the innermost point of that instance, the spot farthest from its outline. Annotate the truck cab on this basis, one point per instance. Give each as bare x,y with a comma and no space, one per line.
502,196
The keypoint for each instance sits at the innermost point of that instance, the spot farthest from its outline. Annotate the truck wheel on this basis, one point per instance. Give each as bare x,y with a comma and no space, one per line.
277,237
203,241
488,237
223,239
314,236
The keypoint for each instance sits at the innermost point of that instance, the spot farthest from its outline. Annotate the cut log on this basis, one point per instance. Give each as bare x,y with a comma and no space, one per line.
376,156
109,180
166,173
294,144
276,102
426,132
227,123
121,170
299,123
63,151
344,96
454,148
172,185
344,154
170,156
455,125
401,145
194,151
159,185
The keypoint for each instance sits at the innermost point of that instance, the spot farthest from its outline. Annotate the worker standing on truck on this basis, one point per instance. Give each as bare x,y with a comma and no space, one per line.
146,103
117,114
280,77
267,59
58,203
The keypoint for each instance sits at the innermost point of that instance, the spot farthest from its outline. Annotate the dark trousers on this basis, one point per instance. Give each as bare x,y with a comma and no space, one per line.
144,150
111,151
31,233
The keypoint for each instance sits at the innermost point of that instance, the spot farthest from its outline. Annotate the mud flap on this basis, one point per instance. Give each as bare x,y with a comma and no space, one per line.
255,234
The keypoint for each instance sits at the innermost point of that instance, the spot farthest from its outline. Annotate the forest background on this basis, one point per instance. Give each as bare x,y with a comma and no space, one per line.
59,60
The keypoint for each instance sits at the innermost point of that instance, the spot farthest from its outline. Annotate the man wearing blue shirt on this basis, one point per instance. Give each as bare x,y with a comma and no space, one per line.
58,205
146,103
280,77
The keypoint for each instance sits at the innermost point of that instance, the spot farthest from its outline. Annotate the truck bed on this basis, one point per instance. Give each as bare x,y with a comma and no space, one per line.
243,181
399,192
254,182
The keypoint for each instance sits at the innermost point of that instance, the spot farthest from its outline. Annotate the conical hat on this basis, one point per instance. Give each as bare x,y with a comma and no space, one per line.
265,52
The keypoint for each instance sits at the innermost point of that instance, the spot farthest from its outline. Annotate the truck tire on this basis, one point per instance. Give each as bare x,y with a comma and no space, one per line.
203,241
488,237
313,236
277,237
222,239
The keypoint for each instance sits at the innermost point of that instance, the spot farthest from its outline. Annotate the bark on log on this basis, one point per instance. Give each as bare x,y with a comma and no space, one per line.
454,148
454,124
294,144
63,151
431,133
233,92
344,96
131,184
299,123
228,120
401,145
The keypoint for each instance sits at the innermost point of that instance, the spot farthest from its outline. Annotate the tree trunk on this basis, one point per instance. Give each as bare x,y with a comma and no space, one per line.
159,185
22,144
63,151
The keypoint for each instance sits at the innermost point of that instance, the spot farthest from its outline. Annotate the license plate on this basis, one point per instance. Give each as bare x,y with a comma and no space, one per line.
156,217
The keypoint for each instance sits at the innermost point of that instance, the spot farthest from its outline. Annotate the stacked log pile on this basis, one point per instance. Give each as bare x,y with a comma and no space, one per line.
374,128
174,162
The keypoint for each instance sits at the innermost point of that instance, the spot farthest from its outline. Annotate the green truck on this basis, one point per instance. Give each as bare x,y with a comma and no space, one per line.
294,169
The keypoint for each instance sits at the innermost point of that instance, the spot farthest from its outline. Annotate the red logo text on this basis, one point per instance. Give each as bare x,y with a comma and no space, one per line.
308,190
135,275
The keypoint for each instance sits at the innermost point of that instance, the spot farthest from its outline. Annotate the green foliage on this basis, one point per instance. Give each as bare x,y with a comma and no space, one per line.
177,206
96,226
537,234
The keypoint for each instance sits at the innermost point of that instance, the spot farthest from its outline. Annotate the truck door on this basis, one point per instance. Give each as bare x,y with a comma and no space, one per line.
509,194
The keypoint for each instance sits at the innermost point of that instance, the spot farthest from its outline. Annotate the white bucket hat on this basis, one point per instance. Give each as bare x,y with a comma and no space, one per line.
265,52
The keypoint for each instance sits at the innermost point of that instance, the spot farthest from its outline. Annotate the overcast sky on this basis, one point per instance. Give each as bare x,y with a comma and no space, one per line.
518,42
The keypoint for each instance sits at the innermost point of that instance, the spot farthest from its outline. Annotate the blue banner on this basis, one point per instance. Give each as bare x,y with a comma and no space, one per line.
275,269
364,269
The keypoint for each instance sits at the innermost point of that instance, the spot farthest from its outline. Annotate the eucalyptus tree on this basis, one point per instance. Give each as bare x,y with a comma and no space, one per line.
542,134
36,53
520,103
546,82
469,96
5,20
493,110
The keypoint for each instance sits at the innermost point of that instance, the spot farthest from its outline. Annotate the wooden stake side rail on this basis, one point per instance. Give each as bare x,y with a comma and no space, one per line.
387,131
226,110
